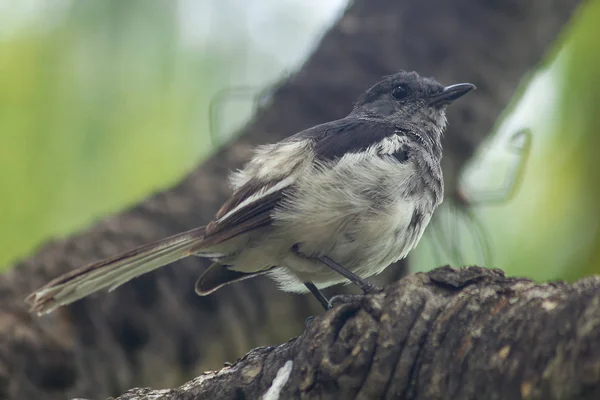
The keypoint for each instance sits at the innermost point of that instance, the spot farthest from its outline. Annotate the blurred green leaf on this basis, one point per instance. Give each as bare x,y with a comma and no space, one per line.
95,112
550,229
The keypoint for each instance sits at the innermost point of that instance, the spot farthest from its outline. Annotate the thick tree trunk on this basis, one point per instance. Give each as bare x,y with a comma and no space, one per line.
155,331
449,334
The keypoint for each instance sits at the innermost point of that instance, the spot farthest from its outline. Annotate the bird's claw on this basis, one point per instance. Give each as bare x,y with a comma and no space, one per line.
345,299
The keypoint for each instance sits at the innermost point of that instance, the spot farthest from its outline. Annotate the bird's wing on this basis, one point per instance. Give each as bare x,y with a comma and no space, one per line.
251,205
352,135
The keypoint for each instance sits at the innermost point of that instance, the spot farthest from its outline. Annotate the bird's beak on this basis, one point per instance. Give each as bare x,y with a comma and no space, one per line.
451,93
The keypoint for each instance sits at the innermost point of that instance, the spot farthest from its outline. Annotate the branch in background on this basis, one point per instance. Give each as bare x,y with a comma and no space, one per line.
155,330
452,334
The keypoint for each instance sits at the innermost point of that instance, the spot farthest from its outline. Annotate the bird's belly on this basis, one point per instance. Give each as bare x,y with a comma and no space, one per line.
360,214
365,242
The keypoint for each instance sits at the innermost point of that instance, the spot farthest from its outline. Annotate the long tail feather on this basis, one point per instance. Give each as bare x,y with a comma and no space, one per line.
113,272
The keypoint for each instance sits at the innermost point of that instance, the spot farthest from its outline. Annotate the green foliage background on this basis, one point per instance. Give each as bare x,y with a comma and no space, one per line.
96,111
549,230
101,103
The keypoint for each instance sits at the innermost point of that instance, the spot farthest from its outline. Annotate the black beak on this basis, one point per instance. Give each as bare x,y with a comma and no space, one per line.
451,93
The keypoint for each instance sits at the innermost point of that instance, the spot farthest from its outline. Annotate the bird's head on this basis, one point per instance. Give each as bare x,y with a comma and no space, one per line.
407,97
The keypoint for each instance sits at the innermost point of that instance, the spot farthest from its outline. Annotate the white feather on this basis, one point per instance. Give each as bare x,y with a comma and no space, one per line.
259,195
273,162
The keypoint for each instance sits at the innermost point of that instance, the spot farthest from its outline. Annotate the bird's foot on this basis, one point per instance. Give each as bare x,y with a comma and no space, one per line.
308,321
346,299
370,288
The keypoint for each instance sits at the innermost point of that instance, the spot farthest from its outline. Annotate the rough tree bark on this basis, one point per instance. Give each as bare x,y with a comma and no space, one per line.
448,334
155,330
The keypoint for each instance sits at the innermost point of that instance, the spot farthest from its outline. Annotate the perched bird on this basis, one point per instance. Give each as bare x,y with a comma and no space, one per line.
339,201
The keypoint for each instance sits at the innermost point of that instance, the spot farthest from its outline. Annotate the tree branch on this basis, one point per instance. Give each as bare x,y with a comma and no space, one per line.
155,330
452,334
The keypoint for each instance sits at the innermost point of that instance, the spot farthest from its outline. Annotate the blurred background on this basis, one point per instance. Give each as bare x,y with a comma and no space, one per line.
103,103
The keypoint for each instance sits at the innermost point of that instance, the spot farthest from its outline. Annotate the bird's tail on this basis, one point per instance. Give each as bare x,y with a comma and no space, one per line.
113,272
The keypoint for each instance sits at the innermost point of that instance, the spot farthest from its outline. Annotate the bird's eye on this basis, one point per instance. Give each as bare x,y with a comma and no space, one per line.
400,92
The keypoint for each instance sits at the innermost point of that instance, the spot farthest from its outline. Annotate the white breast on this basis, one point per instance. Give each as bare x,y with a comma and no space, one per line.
356,212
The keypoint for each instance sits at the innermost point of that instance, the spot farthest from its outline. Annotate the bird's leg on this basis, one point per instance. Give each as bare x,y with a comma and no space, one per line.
318,295
366,286
328,304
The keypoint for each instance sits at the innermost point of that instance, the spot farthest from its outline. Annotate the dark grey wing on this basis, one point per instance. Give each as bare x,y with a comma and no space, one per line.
348,135
250,207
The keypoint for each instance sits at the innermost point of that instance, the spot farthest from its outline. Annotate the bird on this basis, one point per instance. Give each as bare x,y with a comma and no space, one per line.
335,203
